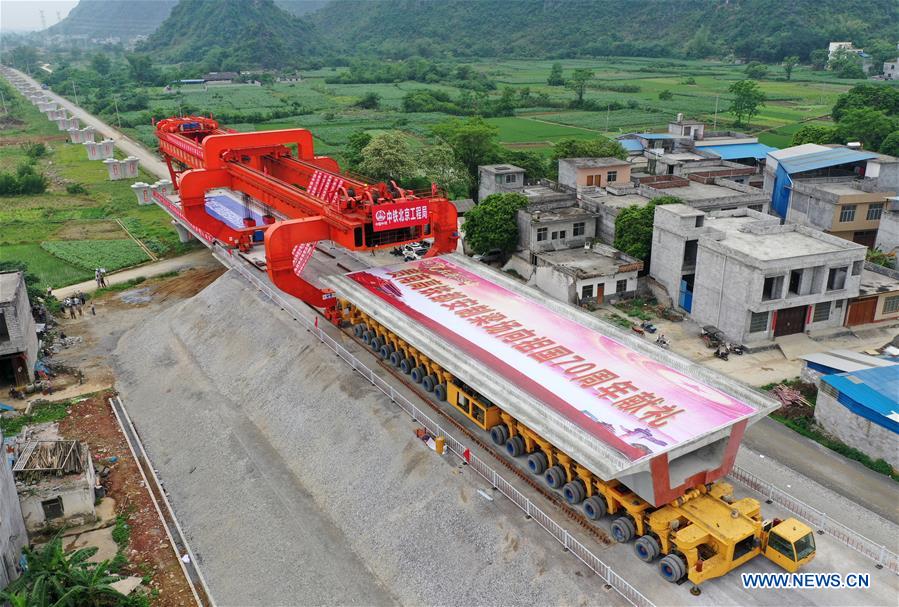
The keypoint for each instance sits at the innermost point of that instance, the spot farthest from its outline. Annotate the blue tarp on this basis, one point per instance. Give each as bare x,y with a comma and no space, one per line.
759,151
780,196
871,393
231,211
631,145
823,159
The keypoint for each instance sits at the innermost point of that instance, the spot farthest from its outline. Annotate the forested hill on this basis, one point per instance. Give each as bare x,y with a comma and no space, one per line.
766,30
232,34
107,18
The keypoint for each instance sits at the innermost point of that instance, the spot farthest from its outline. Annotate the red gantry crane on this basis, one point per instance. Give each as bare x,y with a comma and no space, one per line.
306,199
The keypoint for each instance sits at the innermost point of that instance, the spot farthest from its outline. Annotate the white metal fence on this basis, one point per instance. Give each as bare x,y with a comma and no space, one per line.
878,553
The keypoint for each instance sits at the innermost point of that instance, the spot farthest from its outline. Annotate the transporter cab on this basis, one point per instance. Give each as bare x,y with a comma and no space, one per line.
619,428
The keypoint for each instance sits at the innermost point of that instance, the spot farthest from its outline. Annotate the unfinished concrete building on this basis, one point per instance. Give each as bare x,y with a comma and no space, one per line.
840,190
499,179
55,481
576,173
18,333
12,527
587,275
554,227
751,277
888,232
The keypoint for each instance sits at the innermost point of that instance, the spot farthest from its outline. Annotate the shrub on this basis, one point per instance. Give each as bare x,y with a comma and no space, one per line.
76,188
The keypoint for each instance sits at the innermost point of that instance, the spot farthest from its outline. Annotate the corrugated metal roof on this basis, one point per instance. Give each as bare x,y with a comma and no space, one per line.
874,394
740,150
631,145
826,158
655,135
845,360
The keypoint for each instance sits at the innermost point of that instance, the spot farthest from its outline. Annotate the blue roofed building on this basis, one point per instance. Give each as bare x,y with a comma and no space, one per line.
861,408
841,190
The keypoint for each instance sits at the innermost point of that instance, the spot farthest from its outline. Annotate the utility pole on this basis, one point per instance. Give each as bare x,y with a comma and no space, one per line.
3,99
608,112
715,124
74,92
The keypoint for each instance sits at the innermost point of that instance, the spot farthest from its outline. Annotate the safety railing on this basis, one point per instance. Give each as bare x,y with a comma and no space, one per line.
878,553
571,544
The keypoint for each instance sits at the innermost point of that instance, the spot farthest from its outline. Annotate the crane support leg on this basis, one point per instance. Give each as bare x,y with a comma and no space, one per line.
283,250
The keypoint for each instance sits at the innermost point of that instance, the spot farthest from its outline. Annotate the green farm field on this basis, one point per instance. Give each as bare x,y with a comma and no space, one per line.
699,88
60,236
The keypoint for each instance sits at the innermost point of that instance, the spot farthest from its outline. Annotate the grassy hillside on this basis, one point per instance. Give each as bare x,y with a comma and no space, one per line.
121,18
246,32
756,29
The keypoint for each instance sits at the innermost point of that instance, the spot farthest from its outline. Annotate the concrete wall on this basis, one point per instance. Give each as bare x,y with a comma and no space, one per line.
572,176
667,259
12,527
856,431
21,327
77,493
487,183
888,233
566,288
527,233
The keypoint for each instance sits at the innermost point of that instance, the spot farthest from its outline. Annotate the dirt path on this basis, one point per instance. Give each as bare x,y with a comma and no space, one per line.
201,258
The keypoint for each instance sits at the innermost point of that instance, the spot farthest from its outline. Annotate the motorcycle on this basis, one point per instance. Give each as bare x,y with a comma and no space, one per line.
662,341
722,352
737,349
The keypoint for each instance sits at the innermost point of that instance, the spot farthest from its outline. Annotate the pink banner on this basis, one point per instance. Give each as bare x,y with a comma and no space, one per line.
399,215
634,403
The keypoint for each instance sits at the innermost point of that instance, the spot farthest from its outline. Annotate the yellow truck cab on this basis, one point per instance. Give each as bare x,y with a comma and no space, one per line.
789,544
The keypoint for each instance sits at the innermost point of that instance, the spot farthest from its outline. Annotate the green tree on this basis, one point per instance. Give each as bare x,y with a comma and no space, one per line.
870,127
534,164
141,68
578,83
101,64
439,165
666,95
846,64
633,227
492,223
755,70
267,80
818,58
890,144
789,63
700,45
473,142
814,133
868,96
356,142
555,75
369,101
388,157
748,99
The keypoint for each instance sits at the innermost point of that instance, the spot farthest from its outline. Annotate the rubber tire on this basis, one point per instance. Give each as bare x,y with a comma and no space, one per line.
555,477
418,374
515,446
537,462
358,329
384,352
428,382
595,507
574,492
672,568
647,548
366,337
395,358
440,392
499,434
623,529
375,344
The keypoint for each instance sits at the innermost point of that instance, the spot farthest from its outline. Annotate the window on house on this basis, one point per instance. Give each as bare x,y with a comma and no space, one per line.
621,286
579,228
510,178
4,330
772,288
857,267
541,234
499,179
555,236
700,219
52,508
795,282
587,291
755,207
822,312
847,213
836,279
875,210
891,305
590,180
758,322
562,234
611,176
838,305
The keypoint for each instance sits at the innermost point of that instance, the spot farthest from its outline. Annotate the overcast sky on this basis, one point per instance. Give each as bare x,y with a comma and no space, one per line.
25,15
